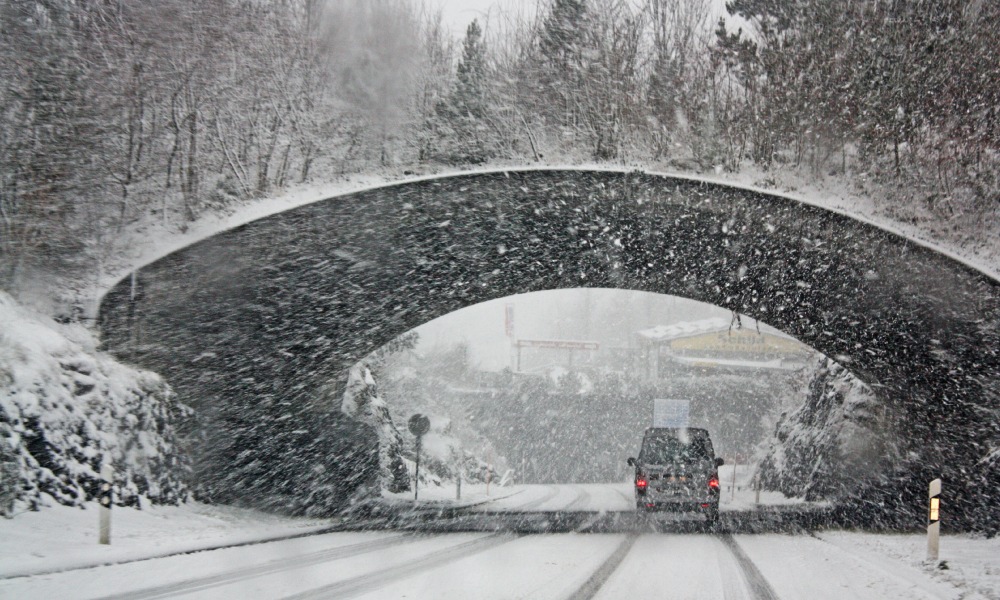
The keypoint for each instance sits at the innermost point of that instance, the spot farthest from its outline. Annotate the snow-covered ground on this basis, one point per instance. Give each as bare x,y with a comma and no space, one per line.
970,562
59,537
62,537
740,494
472,494
389,564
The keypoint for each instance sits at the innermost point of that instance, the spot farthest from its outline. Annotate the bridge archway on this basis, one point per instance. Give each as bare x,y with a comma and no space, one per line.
265,314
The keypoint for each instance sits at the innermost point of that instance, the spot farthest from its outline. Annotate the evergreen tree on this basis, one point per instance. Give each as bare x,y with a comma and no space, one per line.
562,36
467,134
469,98
560,70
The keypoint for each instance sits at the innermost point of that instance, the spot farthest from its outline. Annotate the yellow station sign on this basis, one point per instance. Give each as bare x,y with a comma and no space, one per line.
742,342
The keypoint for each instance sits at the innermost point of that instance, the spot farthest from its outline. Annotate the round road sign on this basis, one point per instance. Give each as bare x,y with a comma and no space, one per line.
419,424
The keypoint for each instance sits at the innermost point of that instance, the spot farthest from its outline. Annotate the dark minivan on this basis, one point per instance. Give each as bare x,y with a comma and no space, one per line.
677,470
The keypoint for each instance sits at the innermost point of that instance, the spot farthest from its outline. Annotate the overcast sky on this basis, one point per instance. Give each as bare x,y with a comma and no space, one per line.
459,13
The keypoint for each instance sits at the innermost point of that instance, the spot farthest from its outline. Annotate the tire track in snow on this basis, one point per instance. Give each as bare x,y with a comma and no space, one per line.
550,494
362,584
582,498
756,584
228,577
168,554
593,585
630,500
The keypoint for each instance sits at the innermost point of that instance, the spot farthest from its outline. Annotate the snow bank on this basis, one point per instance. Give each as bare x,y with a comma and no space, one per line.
61,538
65,408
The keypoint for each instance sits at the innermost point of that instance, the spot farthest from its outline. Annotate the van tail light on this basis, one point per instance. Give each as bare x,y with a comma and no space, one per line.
713,483
641,484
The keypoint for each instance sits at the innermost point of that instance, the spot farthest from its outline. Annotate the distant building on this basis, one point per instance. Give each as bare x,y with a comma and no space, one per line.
713,346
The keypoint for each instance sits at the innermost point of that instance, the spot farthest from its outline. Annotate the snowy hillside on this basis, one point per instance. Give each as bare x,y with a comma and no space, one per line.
66,408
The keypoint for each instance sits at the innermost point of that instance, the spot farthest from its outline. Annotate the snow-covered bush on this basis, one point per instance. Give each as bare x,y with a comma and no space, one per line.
443,457
831,444
66,408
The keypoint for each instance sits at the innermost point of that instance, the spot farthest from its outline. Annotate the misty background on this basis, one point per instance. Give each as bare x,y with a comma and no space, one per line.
562,418
610,317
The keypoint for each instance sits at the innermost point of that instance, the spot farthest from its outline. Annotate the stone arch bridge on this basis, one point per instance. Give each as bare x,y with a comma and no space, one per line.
251,325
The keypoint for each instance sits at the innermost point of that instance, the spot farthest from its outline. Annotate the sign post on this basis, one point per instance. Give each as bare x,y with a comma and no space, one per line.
418,425
934,520
105,499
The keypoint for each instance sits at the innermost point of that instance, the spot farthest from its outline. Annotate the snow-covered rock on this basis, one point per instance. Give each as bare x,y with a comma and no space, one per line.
361,401
835,441
66,408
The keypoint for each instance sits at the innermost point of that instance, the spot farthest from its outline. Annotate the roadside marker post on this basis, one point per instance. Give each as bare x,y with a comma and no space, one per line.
418,425
934,520
105,499
736,463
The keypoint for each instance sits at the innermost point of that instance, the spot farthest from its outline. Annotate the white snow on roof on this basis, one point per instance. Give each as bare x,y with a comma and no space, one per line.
776,363
692,328
686,329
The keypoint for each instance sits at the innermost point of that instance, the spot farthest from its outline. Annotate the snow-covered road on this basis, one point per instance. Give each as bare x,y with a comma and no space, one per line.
507,565
566,497
656,558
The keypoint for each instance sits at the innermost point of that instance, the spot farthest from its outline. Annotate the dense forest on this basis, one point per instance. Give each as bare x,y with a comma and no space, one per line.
114,113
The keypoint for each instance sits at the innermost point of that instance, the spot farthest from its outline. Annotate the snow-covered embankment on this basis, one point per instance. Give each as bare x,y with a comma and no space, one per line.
66,408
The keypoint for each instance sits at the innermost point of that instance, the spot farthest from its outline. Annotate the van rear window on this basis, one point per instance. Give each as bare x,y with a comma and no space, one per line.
665,450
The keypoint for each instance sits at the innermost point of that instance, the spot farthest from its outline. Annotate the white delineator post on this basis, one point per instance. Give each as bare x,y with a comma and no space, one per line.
736,463
934,520
105,500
